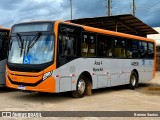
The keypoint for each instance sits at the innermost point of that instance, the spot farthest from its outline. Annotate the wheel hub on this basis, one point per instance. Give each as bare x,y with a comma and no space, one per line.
133,80
81,86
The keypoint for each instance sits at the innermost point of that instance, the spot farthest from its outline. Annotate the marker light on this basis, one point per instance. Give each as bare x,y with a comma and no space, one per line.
47,75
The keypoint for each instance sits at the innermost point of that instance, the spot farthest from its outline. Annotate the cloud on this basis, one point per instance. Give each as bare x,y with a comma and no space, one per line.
10,5
148,12
15,11
121,7
85,8
30,10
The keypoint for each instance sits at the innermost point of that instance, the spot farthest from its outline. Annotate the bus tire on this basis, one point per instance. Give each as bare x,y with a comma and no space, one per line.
133,80
81,87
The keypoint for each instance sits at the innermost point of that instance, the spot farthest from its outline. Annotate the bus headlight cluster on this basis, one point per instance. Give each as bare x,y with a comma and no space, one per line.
47,75
6,72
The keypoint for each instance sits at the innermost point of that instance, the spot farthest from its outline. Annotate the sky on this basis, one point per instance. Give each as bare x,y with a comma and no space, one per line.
16,11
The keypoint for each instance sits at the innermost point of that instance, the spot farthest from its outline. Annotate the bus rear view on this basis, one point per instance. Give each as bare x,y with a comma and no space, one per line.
31,55
4,33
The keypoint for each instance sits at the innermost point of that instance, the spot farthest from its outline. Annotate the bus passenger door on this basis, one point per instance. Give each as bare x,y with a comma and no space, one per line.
69,39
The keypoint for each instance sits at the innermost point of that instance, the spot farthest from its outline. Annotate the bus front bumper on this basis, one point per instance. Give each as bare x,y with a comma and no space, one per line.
20,82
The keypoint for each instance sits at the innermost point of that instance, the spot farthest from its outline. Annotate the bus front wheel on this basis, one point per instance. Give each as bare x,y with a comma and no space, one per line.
133,80
81,87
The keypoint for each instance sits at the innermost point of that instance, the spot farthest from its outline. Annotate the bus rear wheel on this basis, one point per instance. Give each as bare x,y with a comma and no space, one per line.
133,80
81,87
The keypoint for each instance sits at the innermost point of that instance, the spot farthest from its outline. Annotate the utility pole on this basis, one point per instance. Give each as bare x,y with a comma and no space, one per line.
109,7
133,7
71,8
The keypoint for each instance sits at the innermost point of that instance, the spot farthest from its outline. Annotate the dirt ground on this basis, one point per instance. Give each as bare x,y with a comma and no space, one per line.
145,98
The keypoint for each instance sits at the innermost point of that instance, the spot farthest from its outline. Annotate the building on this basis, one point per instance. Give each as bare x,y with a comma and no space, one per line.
156,37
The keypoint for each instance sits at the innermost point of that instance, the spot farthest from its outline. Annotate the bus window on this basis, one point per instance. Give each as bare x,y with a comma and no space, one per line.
1,45
150,50
84,48
66,45
143,49
119,48
88,44
62,45
104,46
132,49
71,46
3,48
129,49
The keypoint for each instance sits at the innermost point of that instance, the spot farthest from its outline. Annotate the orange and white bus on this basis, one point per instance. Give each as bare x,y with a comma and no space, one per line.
58,56
4,33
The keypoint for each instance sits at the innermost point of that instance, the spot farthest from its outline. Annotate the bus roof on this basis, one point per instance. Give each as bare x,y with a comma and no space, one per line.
98,30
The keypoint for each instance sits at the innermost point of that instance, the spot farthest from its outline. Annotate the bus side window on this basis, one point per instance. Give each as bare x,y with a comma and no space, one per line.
70,46
1,48
88,44
91,47
84,48
104,46
62,45
150,50
66,45
123,48
129,48
5,48
134,49
143,49
119,48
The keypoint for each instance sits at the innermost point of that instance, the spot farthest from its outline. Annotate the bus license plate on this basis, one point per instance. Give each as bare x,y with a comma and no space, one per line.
21,87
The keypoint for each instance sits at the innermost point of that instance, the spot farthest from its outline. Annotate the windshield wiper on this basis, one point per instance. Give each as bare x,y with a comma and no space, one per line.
33,41
20,43
19,40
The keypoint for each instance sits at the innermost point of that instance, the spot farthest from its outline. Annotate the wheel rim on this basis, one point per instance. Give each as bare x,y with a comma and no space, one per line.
133,80
81,86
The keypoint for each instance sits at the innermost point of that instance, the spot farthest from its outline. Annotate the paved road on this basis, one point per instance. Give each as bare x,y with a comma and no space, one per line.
144,98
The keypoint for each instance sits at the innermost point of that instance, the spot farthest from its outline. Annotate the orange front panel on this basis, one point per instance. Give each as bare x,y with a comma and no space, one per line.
48,85
31,81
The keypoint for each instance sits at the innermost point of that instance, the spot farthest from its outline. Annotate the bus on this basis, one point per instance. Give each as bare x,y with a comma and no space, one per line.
57,56
4,33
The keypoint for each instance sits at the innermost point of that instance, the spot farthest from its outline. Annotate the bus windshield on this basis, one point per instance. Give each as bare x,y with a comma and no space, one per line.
31,49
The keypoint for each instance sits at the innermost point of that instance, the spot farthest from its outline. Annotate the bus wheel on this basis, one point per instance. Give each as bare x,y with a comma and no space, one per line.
133,80
81,87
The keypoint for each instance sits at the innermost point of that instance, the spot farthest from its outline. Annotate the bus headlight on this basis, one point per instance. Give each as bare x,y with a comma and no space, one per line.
6,72
47,75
